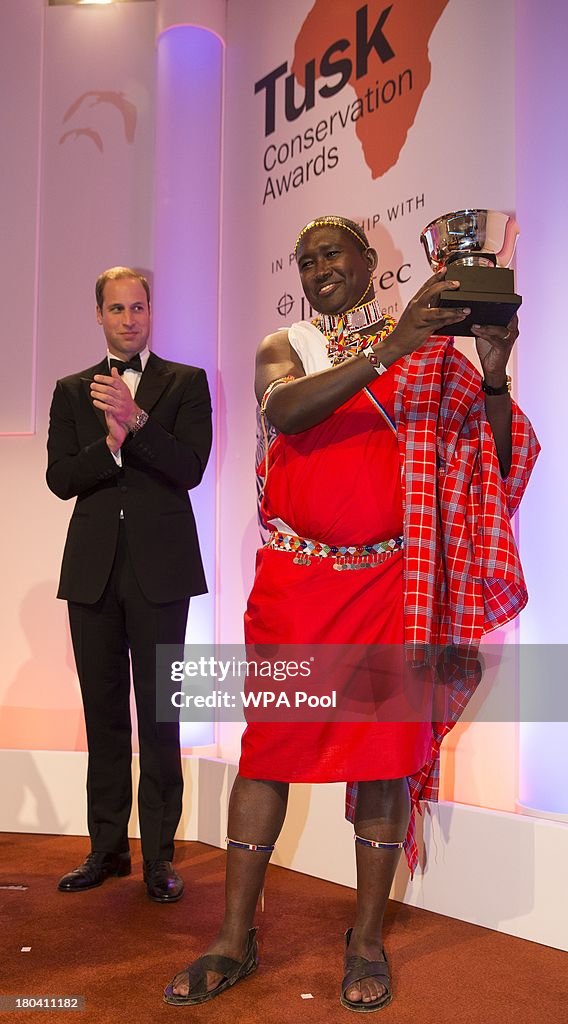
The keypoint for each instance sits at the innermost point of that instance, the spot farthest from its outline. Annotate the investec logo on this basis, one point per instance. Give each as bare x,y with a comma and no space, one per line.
345,61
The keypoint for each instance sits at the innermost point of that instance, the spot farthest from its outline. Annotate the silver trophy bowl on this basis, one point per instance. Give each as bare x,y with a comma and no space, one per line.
477,246
471,238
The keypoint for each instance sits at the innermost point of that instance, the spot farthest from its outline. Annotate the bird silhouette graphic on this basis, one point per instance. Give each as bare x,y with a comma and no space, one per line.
97,96
89,132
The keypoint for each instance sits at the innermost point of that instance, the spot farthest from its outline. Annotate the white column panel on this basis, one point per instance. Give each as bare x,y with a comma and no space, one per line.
21,67
187,190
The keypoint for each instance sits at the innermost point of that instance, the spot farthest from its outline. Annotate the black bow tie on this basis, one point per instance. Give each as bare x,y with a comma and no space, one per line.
132,364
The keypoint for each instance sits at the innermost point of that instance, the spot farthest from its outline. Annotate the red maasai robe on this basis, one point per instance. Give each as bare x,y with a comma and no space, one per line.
350,480
337,483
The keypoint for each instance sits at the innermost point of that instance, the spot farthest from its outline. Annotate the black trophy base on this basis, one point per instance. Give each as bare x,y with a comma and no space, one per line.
489,293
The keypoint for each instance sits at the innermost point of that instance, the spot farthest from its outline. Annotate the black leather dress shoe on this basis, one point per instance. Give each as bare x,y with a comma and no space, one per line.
95,870
163,883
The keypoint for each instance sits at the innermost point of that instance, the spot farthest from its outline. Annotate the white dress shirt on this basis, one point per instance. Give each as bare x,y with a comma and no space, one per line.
132,379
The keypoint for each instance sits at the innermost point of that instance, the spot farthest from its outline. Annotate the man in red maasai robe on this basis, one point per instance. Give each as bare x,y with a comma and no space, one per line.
386,454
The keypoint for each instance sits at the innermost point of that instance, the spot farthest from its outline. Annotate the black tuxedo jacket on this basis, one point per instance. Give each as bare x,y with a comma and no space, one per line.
159,464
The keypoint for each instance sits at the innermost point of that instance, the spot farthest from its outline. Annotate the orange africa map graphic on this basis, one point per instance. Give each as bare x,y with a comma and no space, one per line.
407,26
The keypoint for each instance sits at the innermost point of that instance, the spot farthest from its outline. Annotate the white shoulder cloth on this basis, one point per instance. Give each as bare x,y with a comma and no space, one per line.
310,345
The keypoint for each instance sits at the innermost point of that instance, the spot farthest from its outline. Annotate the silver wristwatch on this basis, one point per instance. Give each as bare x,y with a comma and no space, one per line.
141,419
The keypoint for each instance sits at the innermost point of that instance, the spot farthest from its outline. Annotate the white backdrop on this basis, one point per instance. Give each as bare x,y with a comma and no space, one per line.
429,147
77,191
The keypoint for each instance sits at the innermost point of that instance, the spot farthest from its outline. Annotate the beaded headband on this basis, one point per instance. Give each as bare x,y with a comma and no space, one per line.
335,222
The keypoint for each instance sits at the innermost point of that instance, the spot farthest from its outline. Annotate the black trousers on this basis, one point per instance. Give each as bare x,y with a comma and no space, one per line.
122,626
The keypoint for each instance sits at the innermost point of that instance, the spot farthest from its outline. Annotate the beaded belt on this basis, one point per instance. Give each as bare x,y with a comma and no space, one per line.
353,556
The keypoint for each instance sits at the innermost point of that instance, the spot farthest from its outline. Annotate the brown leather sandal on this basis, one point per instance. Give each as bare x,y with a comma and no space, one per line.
357,968
231,970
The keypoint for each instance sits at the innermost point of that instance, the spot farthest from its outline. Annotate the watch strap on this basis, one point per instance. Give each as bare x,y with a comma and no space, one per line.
505,388
140,421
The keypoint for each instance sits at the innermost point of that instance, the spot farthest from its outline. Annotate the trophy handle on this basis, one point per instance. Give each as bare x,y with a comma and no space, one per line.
507,250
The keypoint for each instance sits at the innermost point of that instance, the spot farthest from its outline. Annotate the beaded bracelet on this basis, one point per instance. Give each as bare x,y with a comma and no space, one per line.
374,360
270,389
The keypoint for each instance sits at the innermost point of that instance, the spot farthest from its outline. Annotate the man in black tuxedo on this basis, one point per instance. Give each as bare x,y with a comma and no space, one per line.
128,438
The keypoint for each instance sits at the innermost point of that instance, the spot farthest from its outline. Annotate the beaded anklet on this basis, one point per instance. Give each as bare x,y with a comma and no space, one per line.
255,847
376,845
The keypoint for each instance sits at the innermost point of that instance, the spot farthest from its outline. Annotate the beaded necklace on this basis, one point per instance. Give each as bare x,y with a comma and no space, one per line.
343,332
356,319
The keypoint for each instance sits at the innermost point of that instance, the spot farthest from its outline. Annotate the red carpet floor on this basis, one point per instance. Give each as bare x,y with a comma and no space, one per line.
117,949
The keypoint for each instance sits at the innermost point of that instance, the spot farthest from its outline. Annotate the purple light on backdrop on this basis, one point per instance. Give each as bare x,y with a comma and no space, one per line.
542,156
187,194
187,177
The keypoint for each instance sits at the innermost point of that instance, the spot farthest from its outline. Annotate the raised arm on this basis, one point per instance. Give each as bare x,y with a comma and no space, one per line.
306,401
72,469
180,456
494,346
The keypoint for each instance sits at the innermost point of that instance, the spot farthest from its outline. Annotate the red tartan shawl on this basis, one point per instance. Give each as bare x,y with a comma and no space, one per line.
463,575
